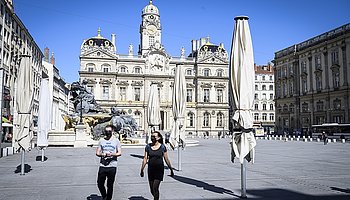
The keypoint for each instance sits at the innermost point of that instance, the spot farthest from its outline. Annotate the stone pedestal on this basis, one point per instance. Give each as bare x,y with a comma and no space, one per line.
80,136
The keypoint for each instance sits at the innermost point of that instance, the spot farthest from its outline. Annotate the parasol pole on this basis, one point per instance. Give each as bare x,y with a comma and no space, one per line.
243,179
22,161
179,153
42,155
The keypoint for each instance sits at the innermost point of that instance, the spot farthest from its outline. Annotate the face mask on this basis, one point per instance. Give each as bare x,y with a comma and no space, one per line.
153,139
108,133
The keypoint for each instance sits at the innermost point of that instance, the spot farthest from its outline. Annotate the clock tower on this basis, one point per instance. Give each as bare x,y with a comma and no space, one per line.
150,28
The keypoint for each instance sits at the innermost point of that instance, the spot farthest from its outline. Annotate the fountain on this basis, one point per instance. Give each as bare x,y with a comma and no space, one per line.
91,117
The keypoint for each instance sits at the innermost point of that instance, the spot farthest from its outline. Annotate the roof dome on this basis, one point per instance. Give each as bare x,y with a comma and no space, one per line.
98,41
150,9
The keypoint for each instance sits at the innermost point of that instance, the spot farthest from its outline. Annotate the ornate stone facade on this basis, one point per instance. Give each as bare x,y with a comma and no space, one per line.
312,82
124,80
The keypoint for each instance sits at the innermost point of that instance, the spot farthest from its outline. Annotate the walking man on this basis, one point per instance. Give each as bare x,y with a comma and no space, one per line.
109,149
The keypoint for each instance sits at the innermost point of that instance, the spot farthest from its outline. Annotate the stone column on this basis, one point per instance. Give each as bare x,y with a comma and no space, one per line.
80,136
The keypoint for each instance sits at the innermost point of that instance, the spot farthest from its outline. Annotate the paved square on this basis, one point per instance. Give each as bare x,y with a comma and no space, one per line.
283,170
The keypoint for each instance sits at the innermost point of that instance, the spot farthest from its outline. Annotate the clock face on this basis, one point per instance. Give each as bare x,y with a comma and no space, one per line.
151,29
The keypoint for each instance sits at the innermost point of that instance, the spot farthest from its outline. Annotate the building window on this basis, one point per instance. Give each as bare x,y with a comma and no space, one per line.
263,77
256,116
270,87
206,72
105,92
122,93
271,96
256,77
271,106
189,72
138,118
190,118
335,57
264,96
151,40
219,73
264,117
304,86
336,79
256,106
123,69
90,69
137,70
206,95
137,93
256,87
272,117
220,95
264,106
337,104
206,119
271,78
105,70
318,83
256,96
189,95
220,119
263,87
305,107
319,106
318,61
90,89
338,119
303,66
291,88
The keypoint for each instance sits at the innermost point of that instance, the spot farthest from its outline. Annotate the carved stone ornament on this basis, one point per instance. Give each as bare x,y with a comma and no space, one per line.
123,83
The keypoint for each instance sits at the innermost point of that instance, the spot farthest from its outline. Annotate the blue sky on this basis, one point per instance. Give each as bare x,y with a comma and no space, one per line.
62,25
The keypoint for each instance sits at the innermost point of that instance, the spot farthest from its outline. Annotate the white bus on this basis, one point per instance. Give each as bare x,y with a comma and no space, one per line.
333,130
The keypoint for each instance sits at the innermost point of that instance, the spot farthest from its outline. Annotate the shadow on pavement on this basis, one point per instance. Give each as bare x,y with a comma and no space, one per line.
38,158
136,156
275,194
137,198
27,168
203,185
94,197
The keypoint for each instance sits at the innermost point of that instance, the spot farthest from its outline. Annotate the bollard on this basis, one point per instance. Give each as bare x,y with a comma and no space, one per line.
305,140
343,140
4,152
329,140
291,139
334,140
297,138
318,140
9,150
310,139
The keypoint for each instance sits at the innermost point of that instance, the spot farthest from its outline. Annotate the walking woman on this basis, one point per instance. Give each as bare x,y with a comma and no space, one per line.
154,154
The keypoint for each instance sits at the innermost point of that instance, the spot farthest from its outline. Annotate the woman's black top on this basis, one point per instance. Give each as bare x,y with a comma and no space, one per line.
155,162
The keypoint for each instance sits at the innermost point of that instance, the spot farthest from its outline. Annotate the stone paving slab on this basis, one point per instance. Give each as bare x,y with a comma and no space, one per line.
283,170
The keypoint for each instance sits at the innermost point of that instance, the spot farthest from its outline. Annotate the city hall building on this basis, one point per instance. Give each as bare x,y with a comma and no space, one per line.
124,80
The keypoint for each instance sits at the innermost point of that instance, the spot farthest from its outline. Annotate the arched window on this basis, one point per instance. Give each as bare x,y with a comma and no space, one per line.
137,70
220,119
138,118
206,72
90,67
263,87
123,69
219,73
206,119
190,119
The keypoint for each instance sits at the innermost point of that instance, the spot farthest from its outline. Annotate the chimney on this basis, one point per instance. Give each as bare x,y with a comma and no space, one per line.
203,41
46,54
113,42
52,59
194,45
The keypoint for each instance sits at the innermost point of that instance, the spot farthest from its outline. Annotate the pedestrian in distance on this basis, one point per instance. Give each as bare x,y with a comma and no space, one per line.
109,149
325,138
155,152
